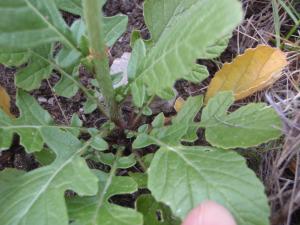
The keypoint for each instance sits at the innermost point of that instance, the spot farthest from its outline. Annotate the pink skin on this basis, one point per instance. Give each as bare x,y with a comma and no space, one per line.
209,213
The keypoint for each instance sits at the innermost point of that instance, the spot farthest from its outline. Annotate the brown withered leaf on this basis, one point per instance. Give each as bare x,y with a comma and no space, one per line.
179,104
253,71
5,101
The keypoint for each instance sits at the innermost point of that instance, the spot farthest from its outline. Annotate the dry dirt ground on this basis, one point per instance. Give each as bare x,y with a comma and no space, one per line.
276,163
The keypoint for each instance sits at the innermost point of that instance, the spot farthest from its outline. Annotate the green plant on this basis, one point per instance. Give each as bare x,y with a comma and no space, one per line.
179,176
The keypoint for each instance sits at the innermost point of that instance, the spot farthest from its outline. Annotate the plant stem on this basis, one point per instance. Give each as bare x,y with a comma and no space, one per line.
140,160
137,118
108,182
93,18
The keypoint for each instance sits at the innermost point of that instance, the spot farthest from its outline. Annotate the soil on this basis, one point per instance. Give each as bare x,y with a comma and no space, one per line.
134,10
62,109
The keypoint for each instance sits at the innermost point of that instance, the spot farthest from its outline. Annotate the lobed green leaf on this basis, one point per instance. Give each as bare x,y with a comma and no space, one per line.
203,173
98,210
37,197
150,208
183,127
35,23
248,126
32,118
31,76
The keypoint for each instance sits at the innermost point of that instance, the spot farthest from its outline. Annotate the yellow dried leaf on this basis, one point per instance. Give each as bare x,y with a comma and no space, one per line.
178,104
248,73
5,101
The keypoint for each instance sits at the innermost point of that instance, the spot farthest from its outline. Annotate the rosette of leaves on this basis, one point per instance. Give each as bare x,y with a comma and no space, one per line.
65,190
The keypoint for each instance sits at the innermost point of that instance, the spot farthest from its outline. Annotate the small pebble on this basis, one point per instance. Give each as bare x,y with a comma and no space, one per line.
42,99
51,101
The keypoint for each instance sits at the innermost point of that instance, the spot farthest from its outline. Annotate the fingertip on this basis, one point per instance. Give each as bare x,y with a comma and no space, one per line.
209,213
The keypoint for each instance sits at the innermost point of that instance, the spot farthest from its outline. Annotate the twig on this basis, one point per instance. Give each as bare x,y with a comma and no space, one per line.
59,106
